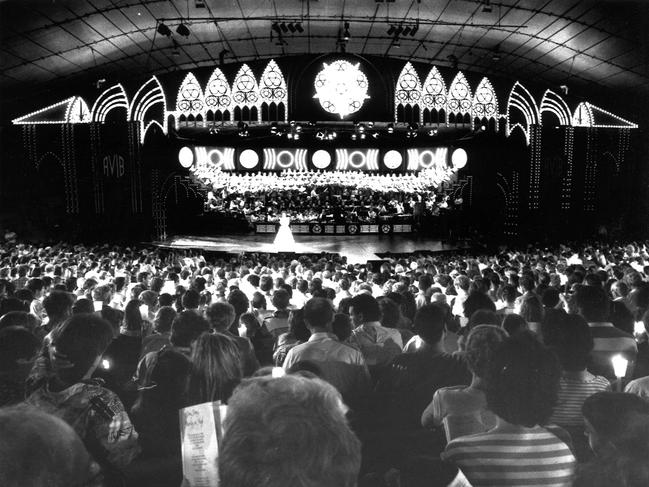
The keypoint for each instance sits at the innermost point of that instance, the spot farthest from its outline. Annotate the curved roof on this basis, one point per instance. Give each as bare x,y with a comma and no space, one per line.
593,47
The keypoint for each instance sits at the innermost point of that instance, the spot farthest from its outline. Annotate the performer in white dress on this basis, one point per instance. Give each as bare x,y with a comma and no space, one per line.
284,241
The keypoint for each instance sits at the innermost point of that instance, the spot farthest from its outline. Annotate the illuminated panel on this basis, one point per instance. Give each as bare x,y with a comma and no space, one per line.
459,95
357,160
190,99
245,91
272,86
421,159
434,90
321,159
249,159
215,157
589,115
520,99
218,95
341,88
485,102
280,159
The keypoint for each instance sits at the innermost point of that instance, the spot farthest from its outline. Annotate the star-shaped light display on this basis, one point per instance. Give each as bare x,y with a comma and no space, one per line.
341,88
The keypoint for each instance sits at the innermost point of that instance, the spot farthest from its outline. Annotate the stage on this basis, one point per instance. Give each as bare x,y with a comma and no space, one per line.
357,248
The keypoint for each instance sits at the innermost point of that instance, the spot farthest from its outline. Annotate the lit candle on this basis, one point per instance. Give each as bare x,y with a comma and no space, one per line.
619,365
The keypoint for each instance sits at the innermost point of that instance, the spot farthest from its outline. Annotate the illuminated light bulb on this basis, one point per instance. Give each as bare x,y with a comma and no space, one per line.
105,364
278,372
620,365
185,157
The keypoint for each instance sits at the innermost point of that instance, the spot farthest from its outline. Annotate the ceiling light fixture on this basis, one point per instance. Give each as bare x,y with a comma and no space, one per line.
346,34
182,30
163,30
298,27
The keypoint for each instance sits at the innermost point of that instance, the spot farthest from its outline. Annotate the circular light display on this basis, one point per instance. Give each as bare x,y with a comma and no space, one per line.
341,88
459,158
357,162
392,159
285,159
249,158
321,159
186,157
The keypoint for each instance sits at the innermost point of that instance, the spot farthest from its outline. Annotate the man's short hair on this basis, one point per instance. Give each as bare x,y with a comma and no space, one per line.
191,299
575,343
164,318
239,300
187,327
429,322
266,283
281,299
220,315
592,303
477,300
101,293
16,343
261,448
318,313
523,381
368,306
58,304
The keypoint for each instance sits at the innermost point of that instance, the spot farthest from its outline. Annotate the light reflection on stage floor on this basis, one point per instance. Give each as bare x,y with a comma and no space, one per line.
357,248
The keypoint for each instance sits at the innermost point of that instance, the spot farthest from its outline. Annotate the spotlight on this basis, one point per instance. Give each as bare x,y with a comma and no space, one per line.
399,30
375,135
320,135
486,8
414,30
273,128
432,132
390,128
299,28
275,27
163,30
283,27
391,30
346,35
406,30
291,27
353,136
182,30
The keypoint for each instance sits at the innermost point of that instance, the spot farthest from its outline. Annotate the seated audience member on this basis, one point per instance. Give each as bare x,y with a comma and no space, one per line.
592,304
120,359
261,448
342,327
298,333
463,410
41,450
342,365
573,347
617,426
377,343
95,413
216,369
18,350
185,329
155,416
262,340
514,323
411,379
58,307
277,322
162,321
532,311
522,383
220,316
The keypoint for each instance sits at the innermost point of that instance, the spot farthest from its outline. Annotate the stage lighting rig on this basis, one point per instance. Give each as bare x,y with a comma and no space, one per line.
163,30
182,30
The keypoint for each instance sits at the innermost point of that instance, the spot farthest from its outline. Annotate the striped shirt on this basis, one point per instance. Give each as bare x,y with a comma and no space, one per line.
573,391
531,457
609,341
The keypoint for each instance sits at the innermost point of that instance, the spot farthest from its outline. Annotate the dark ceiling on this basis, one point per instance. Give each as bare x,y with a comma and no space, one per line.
593,47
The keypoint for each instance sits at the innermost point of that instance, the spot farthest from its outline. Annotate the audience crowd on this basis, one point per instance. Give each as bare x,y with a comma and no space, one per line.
307,196
452,369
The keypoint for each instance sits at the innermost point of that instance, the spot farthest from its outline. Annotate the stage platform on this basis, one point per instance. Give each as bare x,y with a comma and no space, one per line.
357,248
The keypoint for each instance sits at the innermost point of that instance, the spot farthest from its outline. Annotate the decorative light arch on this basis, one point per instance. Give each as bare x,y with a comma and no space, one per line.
434,91
553,103
218,95
77,111
485,101
459,99
149,95
111,98
245,90
520,99
408,90
190,99
272,87
149,125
